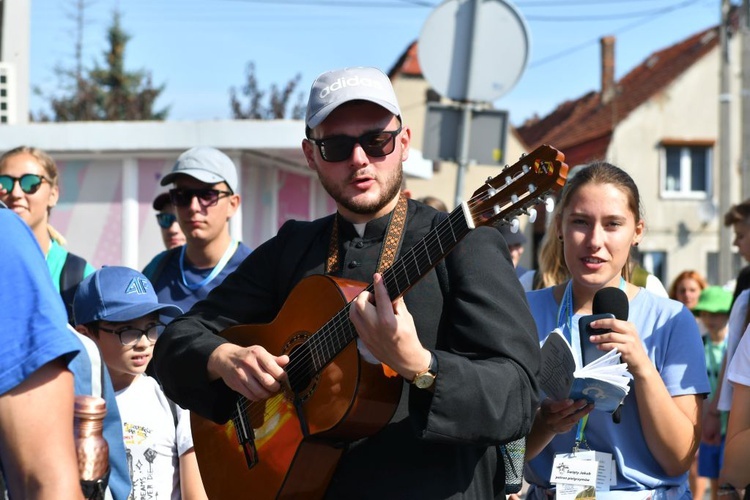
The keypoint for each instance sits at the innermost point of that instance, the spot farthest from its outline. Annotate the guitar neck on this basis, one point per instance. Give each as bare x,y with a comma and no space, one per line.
506,195
425,255
405,272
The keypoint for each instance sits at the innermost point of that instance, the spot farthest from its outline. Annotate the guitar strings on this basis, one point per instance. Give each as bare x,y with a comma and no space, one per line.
341,319
330,331
327,334
391,278
328,337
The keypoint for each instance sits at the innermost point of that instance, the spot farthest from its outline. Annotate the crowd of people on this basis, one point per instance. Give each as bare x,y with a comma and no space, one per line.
307,351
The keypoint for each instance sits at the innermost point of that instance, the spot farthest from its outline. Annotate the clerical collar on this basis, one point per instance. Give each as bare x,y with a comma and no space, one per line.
393,225
373,229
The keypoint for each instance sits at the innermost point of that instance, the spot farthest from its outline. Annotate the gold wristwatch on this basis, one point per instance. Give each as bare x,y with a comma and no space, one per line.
425,379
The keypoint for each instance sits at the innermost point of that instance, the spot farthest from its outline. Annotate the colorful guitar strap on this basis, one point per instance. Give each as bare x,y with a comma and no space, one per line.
391,244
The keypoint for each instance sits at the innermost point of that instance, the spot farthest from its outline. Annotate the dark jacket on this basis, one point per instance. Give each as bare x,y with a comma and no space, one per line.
478,325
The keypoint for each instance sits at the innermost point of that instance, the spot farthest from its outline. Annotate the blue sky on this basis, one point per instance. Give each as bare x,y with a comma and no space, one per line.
200,48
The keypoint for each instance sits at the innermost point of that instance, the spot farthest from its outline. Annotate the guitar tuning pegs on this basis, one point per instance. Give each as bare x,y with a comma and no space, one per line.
532,215
549,204
515,225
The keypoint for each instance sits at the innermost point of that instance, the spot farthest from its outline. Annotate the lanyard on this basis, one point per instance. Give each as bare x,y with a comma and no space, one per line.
214,272
565,322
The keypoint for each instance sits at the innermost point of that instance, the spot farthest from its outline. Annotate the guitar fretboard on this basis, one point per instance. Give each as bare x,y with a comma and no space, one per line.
338,332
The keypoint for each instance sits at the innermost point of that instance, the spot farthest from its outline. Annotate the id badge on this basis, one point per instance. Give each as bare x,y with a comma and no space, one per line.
582,474
606,475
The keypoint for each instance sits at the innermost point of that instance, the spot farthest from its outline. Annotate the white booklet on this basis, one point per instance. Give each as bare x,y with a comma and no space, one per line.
603,382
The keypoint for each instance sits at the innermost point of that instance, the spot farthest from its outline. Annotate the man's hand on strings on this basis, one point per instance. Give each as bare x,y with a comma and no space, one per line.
387,330
252,371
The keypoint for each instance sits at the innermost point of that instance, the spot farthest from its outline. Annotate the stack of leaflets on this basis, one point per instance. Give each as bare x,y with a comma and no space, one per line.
603,382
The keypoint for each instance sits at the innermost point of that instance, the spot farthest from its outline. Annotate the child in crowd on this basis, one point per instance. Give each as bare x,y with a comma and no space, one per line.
118,309
713,309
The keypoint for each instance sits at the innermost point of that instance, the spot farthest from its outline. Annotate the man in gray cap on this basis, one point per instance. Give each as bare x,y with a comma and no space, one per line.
205,197
456,358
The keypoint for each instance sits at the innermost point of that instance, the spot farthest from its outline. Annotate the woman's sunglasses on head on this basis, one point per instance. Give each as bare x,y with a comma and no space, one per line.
340,147
206,197
165,220
30,183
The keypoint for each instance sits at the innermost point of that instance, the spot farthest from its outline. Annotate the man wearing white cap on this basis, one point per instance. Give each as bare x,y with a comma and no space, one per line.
459,350
205,198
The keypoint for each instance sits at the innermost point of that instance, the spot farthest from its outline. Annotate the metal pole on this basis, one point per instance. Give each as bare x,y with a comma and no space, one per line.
725,97
463,140
463,150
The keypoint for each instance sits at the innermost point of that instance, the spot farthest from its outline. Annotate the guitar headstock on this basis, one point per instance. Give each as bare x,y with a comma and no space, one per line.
519,186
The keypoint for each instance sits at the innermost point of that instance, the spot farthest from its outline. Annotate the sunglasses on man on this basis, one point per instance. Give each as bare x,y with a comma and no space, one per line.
165,220
30,183
340,147
207,197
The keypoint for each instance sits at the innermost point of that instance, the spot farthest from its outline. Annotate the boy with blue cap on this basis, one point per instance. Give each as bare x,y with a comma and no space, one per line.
117,308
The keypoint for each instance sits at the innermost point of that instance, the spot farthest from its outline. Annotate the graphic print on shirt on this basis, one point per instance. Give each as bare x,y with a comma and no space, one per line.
142,464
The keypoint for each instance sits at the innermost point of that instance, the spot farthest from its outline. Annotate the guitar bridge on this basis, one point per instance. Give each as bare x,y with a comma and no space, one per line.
245,435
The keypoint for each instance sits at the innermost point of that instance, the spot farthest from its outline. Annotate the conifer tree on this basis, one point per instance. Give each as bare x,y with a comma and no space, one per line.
106,92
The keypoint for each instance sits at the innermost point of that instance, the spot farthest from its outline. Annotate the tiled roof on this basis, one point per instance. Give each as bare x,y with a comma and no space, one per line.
407,64
583,127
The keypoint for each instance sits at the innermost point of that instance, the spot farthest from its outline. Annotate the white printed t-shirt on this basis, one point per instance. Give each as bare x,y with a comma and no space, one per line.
152,442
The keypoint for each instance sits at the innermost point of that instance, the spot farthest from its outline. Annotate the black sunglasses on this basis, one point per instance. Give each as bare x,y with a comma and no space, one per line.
29,183
165,220
340,147
131,336
206,197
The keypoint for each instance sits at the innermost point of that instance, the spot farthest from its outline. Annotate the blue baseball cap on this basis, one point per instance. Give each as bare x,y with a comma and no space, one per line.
115,293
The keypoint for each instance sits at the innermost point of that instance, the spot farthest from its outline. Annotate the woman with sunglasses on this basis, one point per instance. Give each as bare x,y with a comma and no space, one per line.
28,186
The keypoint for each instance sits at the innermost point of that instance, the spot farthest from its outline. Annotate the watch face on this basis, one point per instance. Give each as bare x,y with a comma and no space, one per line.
424,380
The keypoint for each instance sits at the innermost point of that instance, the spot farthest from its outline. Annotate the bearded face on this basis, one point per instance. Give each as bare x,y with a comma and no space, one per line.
364,187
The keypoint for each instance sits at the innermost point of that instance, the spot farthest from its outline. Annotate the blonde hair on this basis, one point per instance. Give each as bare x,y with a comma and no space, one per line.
552,267
50,169
45,160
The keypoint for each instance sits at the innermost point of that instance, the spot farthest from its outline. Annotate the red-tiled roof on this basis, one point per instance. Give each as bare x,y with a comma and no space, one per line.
582,128
407,64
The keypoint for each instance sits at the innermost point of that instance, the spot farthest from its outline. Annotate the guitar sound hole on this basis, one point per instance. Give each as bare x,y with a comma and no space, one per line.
301,371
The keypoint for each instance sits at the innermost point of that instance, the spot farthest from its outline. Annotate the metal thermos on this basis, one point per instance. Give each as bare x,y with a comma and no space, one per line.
92,448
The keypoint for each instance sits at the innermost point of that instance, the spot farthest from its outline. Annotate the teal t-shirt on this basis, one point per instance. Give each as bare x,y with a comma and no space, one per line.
714,356
55,261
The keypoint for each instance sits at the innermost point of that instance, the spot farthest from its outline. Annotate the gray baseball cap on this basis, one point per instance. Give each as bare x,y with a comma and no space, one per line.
206,164
334,88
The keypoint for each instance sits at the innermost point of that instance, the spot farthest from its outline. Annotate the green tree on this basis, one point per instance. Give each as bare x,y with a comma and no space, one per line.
278,103
107,92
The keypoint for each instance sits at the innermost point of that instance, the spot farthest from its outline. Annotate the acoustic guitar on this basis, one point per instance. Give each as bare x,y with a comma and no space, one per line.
288,446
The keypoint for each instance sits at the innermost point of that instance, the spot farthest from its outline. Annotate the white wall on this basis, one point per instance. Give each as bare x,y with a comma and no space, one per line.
688,109
15,51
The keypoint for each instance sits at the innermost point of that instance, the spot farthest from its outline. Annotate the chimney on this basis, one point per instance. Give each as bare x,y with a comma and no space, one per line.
608,68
